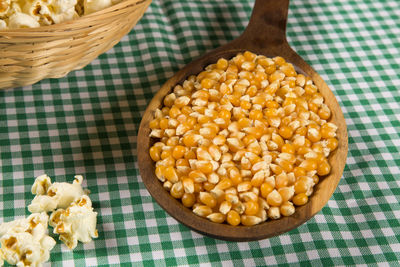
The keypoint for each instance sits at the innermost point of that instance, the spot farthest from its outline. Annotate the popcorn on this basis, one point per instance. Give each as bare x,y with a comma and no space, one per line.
4,6
36,13
57,195
51,11
22,20
91,6
76,223
3,25
25,242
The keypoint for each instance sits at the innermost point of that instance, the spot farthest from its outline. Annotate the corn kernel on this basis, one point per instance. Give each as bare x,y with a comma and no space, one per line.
300,199
247,129
188,200
233,218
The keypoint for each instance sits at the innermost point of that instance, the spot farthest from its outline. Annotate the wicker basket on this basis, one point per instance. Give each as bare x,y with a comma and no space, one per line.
29,55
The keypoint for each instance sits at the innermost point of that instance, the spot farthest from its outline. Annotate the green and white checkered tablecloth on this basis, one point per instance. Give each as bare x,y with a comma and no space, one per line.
87,122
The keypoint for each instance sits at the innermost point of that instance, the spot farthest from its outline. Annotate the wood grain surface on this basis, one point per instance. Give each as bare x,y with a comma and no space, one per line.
266,35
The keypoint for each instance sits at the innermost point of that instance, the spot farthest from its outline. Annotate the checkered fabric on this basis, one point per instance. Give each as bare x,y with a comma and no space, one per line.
87,122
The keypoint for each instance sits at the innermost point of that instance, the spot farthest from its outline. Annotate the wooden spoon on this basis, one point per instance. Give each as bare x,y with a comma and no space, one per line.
264,35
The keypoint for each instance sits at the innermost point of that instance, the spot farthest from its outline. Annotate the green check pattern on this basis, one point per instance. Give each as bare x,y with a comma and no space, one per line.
87,122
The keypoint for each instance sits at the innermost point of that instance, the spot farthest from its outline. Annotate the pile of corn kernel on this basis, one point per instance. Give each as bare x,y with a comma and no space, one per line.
245,140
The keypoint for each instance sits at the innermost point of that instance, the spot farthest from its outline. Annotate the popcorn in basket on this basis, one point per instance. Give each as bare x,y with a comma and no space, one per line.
49,38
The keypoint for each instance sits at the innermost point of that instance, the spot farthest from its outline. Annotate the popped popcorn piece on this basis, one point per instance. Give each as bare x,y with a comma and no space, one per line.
25,242
36,13
57,195
4,7
3,24
22,20
91,6
76,223
51,11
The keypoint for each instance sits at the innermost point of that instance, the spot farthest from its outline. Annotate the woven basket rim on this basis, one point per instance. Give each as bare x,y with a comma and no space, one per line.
65,25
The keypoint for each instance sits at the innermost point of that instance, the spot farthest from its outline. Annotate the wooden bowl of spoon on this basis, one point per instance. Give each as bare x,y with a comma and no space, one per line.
264,35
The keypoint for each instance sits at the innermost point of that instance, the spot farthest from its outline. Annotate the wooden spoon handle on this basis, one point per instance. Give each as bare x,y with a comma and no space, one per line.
267,26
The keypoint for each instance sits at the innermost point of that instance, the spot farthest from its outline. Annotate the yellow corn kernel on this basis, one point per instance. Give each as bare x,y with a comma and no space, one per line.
288,148
280,61
155,153
154,124
327,131
287,209
190,155
160,170
274,198
163,123
231,198
208,199
288,70
186,110
302,150
314,135
222,64
197,176
178,152
170,174
188,200
324,113
225,207
244,186
285,165
249,56
165,154
258,179
274,213
324,168
300,80
299,171
225,183
188,185
300,186
251,207
309,164
301,131
190,140
310,89
278,140
202,211
177,190
167,185
278,75
198,187
204,166
234,175
182,163
332,143
169,100
286,193
313,107
300,199
216,217
174,112
202,154
276,169
219,140
249,220
281,180
233,218
208,186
